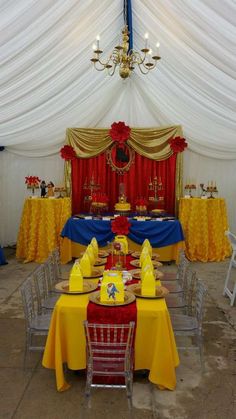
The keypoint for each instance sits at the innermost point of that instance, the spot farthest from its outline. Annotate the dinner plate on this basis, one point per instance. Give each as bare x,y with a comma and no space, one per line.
136,255
161,292
96,273
99,262
63,287
103,253
136,263
136,273
129,298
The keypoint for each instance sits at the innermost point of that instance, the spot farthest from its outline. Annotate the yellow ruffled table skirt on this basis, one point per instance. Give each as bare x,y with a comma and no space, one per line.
66,340
204,222
41,224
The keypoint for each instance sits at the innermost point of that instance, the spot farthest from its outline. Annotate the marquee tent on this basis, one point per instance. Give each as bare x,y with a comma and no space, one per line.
48,84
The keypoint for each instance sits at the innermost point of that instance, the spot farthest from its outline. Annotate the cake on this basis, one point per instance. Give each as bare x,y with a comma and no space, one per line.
122,205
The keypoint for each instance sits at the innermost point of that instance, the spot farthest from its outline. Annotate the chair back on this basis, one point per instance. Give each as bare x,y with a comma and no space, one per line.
109,347
28,300
51,274
199,303
40,286
189,289
232,239
182,269
56,262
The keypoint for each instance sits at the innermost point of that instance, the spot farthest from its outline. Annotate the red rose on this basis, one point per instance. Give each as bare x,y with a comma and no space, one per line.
141,202
68,153
119,132
120,225
178,144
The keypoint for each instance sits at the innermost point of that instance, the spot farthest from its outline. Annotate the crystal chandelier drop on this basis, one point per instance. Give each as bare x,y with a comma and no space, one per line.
124,58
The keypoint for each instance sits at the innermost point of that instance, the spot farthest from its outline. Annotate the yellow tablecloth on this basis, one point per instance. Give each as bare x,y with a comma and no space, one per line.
41,224
204,222
70,249
155,347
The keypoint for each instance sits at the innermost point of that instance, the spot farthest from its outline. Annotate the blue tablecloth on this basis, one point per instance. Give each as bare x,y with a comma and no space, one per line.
159,233
2,258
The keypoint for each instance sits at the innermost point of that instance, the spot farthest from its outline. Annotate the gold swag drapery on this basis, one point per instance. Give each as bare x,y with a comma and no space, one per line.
152,143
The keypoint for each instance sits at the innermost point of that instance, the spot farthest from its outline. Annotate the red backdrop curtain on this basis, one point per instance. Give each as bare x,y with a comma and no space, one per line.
136,180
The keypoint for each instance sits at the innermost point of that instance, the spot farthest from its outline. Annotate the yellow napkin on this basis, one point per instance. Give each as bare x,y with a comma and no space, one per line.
146,245
148,285
144,253
94,243
85,265
90,252
76,278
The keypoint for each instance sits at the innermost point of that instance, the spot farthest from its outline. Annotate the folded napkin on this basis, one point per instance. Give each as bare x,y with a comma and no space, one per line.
148,284
146,265
76,278
94,244
85,265
91,254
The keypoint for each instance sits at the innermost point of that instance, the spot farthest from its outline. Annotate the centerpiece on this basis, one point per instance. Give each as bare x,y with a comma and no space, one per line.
32,183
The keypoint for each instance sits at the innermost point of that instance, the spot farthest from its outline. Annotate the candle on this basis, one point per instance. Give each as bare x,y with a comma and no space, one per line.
146,40
157,49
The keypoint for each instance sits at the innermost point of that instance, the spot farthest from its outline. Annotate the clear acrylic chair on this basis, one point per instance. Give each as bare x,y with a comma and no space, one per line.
231,293
177,286
186,325
184,300
109,355
36,324
174,276
46,300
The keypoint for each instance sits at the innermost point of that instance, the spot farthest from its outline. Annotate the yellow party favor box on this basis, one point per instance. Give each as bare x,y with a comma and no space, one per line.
112,287
148,285
76,278
85,265
122,240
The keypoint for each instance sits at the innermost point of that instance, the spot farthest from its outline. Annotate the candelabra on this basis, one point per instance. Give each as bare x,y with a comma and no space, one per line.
212,189
155,186
190,187
90,186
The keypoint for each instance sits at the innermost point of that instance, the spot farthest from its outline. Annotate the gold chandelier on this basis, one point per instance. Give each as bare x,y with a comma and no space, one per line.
127,60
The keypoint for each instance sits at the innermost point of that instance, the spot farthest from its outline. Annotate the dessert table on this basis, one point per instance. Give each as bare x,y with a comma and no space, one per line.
155,347
204,222
166,236
41,223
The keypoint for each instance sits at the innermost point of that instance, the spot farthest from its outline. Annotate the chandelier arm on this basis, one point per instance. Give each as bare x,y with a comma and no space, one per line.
113,70
143,72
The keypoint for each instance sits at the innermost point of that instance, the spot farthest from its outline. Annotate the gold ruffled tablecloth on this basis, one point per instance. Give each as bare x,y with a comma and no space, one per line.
41,224
204,222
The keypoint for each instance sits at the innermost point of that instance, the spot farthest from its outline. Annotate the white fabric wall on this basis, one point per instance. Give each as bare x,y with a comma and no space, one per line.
47,84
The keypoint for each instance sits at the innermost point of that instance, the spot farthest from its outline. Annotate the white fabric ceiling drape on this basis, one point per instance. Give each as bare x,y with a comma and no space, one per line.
47,83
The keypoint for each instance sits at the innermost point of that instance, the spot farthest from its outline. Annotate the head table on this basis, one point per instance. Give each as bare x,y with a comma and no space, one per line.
166,236
155,348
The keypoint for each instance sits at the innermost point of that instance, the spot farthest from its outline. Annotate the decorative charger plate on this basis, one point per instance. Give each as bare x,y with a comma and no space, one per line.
103,253
98,262
136,255
161,292
136,273
96,273
135,263
63,287
129,298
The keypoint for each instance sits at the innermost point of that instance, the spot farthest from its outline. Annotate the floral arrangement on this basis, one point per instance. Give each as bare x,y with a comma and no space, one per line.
99,197
119,132
67,152
141,202
32,181
120,225
178,144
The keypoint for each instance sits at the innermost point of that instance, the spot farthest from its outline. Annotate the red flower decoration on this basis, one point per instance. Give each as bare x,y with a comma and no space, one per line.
178,144
32,181
68,153
120,225
141,202
119,132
